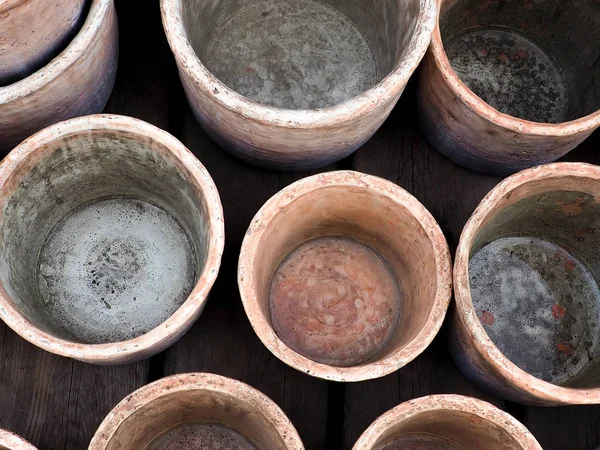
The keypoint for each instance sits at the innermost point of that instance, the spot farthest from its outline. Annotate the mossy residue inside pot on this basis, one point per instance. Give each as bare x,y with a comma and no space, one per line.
202,436
335,300
114,270
421,441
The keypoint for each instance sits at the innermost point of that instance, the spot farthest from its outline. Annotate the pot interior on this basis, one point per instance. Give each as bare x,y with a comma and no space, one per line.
345,276
537,60
446,430
533,274
103,236
196,418
300,54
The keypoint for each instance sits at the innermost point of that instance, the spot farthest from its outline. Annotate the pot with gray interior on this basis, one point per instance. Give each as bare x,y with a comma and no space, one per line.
446,422
111,236
11,441
78,81
345,276
295,84
527,319
32,32
510,85
196,410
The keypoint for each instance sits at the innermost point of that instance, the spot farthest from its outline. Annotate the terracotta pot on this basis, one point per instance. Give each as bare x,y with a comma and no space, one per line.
295,85
111,238
527,300
198,410
75,83
345,276
446,422
32,32
510,85
10,441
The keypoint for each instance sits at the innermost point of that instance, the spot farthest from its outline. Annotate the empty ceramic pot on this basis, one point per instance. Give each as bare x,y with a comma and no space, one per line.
196,410
32,32
76,82
345,276
295,84
527,319
10,441
509,85
446,422
111,236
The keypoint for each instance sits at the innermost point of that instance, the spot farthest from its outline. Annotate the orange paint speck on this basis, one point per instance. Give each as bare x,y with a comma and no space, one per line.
466,13
483,52
503,58
488,318
582,232
569,265
558,311
574,208
250,69
565,349
522,54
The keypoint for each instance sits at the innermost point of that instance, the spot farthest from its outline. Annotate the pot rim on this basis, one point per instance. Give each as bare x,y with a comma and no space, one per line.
379,186
185,314
197,381
76,49
542,390
488,112
446,402
6,5
368,101
13,441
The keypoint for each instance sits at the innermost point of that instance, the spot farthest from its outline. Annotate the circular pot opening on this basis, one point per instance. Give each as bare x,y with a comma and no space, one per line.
105,230
300,54
440,428
533,60
345,270
196,411
533,274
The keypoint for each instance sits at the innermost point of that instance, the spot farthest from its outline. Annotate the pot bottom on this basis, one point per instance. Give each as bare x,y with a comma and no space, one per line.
114,270
511,73
421,441
335,300
539,305
296,54
201,436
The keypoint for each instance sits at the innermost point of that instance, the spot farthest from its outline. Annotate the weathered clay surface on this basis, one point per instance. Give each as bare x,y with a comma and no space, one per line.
530,255
197,408
76,82
329,291
446,422
377,214
354,52
532,62
112,235
10,441
32,32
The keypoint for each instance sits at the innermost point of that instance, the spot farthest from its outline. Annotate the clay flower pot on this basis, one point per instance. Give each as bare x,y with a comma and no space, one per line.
510,85
526,287
196,410
10,441
76,82
31,32
446,422
111,236
295,84
345,276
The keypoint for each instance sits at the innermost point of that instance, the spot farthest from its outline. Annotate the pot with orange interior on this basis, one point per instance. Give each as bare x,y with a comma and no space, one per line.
196,410
446,422
111,236
32,32
295,84
510,85
527,319
11,441
76,82
345,276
